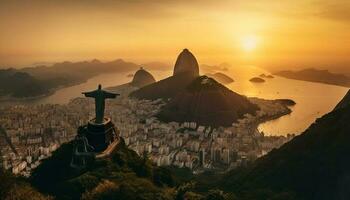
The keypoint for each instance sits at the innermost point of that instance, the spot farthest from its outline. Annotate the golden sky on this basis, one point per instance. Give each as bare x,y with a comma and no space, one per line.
266,33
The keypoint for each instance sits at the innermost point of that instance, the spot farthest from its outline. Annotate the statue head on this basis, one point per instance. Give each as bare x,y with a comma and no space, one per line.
99,86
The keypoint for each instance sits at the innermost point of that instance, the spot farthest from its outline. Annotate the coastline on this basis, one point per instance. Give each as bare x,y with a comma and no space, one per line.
276,109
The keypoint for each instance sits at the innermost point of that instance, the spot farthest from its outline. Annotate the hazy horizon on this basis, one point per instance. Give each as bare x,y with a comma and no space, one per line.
269,34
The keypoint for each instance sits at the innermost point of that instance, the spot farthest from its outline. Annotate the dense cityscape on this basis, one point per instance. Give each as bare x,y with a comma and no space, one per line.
31,133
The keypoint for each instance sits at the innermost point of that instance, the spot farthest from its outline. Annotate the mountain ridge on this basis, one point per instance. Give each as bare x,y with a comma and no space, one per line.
319,76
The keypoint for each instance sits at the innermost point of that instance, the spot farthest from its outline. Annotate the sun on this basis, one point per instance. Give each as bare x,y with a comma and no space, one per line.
249,43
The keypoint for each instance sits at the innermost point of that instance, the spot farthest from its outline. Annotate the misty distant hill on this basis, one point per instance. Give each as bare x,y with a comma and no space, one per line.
223,67
72,72
41,80
221,78
20,84
319,76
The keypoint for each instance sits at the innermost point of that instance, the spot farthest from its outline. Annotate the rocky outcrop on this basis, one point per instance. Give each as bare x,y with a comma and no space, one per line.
142,78
186,62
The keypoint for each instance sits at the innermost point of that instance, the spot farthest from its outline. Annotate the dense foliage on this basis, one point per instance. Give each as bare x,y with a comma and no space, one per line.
123,175
13,188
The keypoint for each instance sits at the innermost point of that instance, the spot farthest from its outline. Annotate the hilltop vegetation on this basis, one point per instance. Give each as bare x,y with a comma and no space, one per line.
12,188
124,175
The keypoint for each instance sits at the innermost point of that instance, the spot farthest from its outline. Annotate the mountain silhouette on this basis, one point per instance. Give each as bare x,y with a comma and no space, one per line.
186,62
21,84
142,78
192,104
319,76
185,71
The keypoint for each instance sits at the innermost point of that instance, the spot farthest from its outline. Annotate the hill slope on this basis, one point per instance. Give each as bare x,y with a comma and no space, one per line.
313,166
13,188
344,102
123,175
207,102
164,89
21,84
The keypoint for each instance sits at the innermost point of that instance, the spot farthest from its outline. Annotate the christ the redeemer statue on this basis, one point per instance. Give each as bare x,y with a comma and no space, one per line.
100,95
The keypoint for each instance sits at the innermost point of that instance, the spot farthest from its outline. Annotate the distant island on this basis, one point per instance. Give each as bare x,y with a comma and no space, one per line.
266,76
318,76
221,78
223,67
257,80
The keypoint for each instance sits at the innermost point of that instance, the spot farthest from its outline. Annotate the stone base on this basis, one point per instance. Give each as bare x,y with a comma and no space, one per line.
94,141
99,136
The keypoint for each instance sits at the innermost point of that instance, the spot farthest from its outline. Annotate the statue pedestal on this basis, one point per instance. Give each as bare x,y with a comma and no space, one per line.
100,135
94,141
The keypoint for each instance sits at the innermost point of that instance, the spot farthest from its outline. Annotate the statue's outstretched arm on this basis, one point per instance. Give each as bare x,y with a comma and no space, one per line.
109,95
90,94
